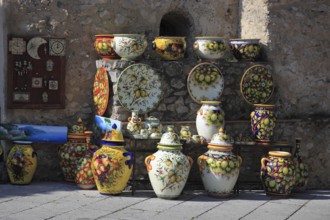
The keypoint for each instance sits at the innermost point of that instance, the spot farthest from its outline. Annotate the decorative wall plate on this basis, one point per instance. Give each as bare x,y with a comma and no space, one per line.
101,90
257,84
205,83
139,88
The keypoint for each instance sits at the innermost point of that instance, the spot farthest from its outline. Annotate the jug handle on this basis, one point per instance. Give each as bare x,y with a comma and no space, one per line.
263,160
147,162
129,162
191,161
200,162
239,160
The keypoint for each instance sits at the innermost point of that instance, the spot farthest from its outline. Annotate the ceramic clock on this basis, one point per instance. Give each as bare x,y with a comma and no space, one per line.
57,47
17,46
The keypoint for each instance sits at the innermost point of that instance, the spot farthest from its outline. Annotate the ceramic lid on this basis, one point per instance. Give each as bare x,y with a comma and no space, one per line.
221,139
113,135
170,138
77,130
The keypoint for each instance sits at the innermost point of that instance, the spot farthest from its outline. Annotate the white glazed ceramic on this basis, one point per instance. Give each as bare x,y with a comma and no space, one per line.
129,46
210,47
210,118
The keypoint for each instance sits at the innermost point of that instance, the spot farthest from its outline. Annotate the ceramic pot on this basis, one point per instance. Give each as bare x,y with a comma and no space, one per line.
301,169
129,46
112,165
21,162
277,173
219,167
170,48
210,48
185,133
84,175
245,49
210,118
135,124
263,122
104,48
72,151
168,168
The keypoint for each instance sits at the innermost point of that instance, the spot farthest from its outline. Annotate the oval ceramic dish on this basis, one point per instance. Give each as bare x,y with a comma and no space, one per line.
101,90
139,88
257,84
205,82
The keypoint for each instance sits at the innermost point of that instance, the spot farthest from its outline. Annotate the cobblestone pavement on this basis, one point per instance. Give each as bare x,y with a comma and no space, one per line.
62,201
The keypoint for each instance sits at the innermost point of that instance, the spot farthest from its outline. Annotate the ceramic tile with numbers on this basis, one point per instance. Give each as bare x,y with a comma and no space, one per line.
101,90
205,83
139,88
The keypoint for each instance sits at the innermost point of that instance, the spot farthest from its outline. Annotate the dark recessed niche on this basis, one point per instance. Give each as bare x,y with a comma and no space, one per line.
174,24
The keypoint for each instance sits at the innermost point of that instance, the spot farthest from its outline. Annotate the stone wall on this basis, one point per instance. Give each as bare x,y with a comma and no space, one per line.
295,45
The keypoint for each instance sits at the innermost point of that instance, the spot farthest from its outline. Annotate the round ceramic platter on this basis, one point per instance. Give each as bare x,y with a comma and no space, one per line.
205,82
257,84
101,90
139,88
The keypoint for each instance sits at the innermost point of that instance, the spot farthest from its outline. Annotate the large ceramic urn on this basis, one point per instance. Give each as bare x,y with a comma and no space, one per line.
277,173
21,162
70,153
219,167
263,122
210,118
112,165
168,168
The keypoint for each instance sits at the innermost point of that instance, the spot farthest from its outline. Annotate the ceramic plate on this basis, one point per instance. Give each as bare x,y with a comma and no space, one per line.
257,84
205,82
101,90
139,88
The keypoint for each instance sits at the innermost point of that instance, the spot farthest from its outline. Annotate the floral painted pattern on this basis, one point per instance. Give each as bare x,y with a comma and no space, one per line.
139,88
257,84
205,82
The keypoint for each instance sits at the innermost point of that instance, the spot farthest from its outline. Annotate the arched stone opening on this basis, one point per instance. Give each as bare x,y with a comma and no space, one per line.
174,24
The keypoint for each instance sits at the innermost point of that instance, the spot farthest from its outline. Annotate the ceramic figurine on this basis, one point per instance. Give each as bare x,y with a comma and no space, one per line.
112,165
185,133
168,168
135,124
263,122
301,169
210,118
245,49
103,47
210,48
277,173
21,162
170,48
219,167
129,46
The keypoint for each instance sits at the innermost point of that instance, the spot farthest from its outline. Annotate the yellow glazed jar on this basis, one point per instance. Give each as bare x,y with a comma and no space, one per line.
21,162
112,165
170,48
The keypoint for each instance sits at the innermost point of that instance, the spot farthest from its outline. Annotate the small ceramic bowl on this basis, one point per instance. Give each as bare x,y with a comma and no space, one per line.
129,46
245,49
102,45
170,48
210,48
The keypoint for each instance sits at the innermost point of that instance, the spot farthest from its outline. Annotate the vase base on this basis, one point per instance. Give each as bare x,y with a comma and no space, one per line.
86,187
167,197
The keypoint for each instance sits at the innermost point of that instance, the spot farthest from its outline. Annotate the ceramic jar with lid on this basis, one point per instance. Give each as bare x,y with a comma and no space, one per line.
112,165
277,173
210,118
72,151
219,167
21,162
168,168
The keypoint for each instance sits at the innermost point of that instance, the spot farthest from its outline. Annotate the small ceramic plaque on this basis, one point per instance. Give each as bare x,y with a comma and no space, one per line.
36,82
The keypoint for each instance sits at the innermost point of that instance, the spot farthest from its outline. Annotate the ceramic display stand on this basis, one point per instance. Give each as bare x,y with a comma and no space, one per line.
114,69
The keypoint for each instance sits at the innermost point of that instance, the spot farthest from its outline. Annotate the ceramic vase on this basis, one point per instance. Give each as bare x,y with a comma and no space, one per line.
112,165
84,175
219,167
245,49
185,133
135,124
210,118
301,169
170,48
168,168
129,46
72,151
263,122
104,48
210,48
21,162
277,173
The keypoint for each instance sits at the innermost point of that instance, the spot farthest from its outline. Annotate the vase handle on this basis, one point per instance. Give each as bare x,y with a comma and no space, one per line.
129,162
200,162
147,162
263,160
191,161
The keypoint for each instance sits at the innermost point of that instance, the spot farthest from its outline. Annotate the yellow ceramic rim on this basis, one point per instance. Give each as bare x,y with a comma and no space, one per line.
264,105
241,85
170,37
220,147
279,154
211,102
198,37
169,147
